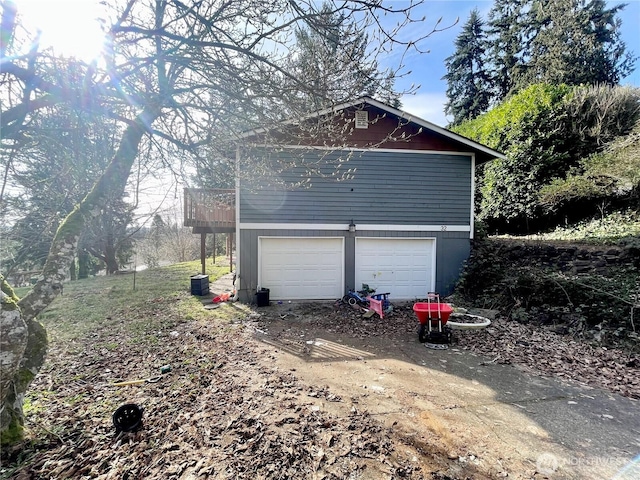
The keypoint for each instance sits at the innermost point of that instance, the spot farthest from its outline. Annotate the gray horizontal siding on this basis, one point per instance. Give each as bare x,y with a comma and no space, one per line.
383,188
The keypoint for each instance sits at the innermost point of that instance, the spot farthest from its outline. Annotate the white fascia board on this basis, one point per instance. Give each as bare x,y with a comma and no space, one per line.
370,149
293,226
359,227
414,228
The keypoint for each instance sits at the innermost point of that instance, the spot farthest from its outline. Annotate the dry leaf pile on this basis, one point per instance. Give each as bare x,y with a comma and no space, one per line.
224,411
553,354
221,412
538,348
340,319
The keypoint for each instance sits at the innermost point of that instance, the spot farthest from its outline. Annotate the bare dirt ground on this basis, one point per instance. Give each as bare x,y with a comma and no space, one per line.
298,391
448,404
226,410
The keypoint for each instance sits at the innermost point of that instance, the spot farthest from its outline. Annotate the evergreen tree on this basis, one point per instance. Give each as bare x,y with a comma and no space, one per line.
67,152
468,86
331,57
52,176
508,33
578,43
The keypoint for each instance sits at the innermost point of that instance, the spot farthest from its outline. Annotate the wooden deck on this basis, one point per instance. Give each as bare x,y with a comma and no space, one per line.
210,210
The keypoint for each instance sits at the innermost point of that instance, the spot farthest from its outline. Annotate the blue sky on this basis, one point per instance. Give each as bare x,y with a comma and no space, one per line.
428,68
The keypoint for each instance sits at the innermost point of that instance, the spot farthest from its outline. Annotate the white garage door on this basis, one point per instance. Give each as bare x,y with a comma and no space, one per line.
301,268
404,267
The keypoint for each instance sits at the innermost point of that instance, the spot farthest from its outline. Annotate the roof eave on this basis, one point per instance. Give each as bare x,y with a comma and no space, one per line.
399,113
438,129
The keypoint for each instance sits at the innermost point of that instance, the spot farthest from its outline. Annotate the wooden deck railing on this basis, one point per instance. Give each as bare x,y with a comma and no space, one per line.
213,208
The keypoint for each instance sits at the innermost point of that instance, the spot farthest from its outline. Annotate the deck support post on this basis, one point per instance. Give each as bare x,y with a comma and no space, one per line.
203,257
230,250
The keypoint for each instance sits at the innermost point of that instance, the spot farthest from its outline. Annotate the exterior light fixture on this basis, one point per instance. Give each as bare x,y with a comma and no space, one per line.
352,227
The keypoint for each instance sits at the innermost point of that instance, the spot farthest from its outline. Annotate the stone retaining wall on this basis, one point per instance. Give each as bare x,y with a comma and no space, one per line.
570,259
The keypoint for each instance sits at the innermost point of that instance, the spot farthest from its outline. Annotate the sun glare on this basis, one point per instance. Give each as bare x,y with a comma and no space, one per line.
70,27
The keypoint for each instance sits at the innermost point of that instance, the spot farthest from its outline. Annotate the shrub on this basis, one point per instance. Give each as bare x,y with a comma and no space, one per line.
545,131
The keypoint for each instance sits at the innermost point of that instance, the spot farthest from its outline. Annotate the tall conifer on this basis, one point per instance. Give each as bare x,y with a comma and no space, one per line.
468,90
578,43
508,35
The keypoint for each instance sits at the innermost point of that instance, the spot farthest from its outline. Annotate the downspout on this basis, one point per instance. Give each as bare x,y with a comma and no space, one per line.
236,276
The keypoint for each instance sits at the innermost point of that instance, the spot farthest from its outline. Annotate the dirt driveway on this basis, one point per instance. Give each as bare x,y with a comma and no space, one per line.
500,420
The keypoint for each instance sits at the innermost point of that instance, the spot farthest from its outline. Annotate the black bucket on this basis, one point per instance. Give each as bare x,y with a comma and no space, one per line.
127,418
262,297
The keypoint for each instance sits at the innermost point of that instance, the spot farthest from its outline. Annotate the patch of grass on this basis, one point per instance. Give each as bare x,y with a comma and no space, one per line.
142,301
111,346
615,228
231,311
112,312
21,291
104,329
75,399
31,406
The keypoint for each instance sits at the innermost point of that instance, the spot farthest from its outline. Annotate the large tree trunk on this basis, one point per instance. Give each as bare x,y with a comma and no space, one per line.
73,276
83,265
13,342
18,326
110,256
